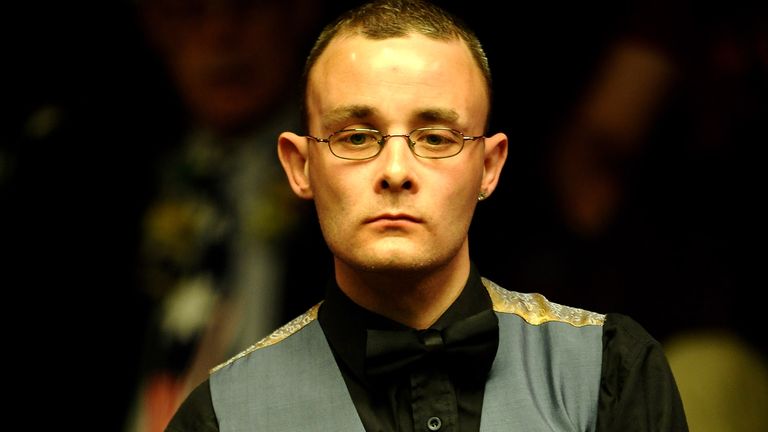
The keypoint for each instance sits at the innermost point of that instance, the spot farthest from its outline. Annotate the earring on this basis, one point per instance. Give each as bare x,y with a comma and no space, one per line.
481,196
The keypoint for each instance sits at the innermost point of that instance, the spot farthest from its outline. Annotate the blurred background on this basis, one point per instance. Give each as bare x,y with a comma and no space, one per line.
148,232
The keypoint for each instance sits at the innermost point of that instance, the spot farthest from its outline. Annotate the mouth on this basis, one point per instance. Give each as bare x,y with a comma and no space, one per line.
393,217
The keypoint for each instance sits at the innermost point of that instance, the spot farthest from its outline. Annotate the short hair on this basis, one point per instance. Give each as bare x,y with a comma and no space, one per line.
385,19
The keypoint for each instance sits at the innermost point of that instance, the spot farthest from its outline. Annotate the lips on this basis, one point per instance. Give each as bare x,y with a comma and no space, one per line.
393,217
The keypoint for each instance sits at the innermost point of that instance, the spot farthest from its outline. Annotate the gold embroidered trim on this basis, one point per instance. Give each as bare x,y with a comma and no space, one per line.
536,309
278,335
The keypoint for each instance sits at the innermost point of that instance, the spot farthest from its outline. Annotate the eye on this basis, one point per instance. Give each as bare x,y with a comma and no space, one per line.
359,138
435,137
355,144
355,138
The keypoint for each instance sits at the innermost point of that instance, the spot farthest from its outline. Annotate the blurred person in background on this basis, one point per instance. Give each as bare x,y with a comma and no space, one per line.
214,237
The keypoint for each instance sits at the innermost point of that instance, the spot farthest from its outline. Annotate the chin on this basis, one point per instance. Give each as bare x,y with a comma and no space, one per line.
392,261
394,256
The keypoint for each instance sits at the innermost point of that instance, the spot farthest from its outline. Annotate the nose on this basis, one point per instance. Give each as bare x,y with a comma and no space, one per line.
396,159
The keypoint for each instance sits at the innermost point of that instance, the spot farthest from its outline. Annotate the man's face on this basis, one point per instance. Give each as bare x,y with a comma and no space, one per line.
396,211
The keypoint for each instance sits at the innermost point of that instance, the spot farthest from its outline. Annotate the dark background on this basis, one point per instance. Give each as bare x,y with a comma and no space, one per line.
679,253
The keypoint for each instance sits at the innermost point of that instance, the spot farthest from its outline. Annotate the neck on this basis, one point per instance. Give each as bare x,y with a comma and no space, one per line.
415,298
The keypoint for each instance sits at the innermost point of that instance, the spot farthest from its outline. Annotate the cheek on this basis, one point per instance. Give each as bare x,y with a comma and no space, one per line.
463,207
461,199
333,196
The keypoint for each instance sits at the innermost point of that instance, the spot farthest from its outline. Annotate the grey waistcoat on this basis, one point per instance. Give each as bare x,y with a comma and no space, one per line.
545,376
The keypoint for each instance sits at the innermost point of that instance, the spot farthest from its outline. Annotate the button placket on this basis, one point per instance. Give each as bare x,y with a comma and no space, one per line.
433,400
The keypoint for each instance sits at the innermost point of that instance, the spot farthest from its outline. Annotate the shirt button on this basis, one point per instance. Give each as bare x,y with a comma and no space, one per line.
434,423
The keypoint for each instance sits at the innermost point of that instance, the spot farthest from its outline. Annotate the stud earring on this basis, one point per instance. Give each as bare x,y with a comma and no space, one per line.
481,196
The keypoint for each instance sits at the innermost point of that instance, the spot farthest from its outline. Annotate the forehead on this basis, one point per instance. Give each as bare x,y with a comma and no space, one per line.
396,74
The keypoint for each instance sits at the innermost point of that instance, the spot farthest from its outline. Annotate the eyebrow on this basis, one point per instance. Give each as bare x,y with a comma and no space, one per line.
345,113
438,115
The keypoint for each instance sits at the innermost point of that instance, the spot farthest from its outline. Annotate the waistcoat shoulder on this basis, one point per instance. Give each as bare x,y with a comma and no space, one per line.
278,335
536,309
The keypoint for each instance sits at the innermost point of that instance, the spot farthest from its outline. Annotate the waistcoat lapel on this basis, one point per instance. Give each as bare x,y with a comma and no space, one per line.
291,385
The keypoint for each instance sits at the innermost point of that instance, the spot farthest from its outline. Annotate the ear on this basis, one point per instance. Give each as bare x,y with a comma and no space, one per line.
495,156
293,150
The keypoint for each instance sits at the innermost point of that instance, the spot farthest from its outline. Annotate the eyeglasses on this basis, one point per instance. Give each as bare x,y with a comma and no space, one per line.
428,143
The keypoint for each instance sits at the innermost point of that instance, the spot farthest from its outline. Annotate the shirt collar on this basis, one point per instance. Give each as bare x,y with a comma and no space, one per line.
345,323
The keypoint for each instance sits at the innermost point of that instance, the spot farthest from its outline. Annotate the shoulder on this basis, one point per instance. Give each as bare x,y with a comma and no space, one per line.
279,335
625,342
637,388
620,325
196,413
630,352
536,309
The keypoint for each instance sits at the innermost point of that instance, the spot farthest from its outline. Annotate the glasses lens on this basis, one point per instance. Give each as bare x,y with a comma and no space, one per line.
355,143
435,143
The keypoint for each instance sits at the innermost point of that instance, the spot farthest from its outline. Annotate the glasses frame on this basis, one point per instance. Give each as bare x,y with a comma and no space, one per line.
384,138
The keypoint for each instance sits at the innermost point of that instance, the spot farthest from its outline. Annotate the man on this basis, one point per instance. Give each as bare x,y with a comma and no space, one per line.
410,337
